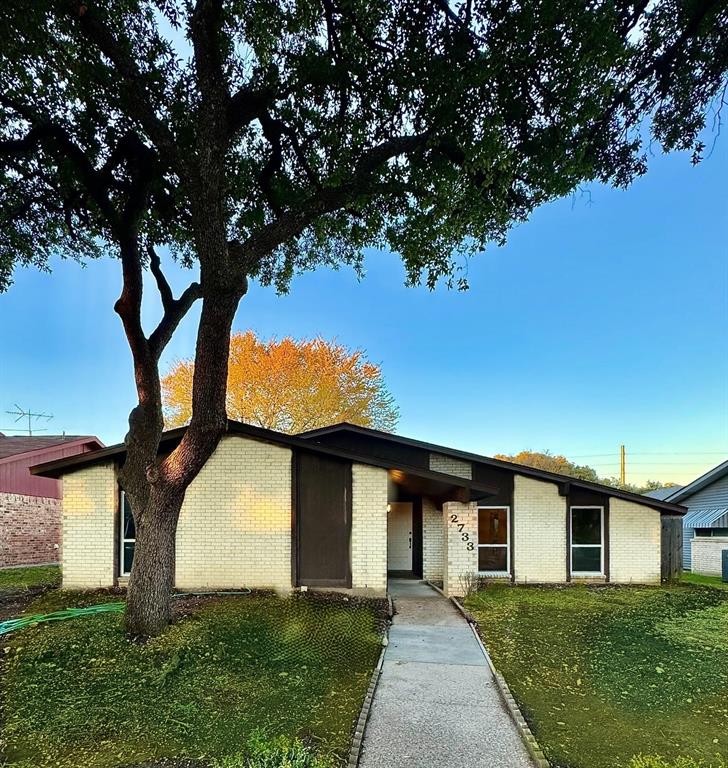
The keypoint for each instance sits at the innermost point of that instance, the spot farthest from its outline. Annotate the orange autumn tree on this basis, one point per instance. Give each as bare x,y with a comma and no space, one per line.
290,385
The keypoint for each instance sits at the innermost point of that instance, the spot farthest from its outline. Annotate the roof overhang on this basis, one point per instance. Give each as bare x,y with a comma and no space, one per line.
699,483
563,481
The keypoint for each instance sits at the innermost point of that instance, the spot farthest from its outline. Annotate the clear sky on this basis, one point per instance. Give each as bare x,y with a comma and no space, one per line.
603,321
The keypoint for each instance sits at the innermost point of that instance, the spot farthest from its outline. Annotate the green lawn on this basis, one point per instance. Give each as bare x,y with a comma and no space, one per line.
78,693
605,674
703,581
20,579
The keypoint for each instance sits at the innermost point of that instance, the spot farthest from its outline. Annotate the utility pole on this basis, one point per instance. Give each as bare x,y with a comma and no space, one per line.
21,414
622,473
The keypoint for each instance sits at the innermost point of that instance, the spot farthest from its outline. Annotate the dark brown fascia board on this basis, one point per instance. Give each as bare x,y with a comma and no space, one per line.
62,466
521,469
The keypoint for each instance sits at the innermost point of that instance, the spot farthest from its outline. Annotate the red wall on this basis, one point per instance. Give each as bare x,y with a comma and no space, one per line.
15,476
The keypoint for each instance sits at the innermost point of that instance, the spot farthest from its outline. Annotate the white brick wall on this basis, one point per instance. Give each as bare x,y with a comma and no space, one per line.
707,554
433,534
450,465
540,531
369,528
89,504
634,542
235,526
461,531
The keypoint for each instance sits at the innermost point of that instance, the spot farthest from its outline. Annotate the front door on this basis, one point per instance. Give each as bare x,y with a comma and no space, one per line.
399,536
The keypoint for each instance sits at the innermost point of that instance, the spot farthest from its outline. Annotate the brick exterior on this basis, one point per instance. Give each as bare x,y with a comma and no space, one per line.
235,526
634,542
30,530
451,466
432,541
459,561
369,528
539,531
90,502
707,557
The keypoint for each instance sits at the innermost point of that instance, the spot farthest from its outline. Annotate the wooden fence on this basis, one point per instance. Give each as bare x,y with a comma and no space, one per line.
672,545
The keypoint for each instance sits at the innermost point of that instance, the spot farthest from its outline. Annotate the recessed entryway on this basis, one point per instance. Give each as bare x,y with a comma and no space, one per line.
399,537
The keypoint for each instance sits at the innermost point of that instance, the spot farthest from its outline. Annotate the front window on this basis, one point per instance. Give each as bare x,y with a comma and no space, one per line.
494,554
127,537
587,540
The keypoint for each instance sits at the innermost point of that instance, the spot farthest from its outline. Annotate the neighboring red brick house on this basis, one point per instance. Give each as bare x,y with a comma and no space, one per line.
30,507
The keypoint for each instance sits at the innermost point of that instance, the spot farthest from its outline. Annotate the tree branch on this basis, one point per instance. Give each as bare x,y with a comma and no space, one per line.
328,199
143,110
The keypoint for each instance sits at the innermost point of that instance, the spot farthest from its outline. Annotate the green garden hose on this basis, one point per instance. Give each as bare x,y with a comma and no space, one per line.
69,613
10,625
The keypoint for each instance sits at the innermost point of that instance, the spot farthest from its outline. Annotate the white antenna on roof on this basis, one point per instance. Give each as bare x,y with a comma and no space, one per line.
31,416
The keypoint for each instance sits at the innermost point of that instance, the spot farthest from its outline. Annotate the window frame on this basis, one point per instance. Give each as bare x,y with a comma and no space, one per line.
122,539
601,545
507,545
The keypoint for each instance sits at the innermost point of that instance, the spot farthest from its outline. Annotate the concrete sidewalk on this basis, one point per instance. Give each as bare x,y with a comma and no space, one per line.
437,705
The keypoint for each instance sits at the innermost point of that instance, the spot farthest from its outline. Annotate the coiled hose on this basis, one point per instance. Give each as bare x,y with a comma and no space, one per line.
11,625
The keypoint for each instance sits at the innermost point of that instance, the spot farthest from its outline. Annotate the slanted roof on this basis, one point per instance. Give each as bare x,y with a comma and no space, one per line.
17,445
564,481
663,493
698,484
173,436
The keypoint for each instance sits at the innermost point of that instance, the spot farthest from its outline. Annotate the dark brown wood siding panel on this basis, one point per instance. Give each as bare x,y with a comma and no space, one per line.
323,524
365,445
501,479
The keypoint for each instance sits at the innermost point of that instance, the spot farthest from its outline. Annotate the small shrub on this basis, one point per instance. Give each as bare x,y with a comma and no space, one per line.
280,752
469,583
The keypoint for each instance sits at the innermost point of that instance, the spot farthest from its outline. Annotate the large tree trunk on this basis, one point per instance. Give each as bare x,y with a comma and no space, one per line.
150,587
156,488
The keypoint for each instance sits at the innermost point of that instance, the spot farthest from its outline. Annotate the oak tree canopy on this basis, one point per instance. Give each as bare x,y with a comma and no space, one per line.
252,140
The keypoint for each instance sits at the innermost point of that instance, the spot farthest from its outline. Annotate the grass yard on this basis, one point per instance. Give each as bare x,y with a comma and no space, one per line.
229,674
608,673
23,579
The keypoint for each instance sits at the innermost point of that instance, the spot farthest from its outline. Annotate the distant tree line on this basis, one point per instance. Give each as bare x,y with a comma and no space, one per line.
551,462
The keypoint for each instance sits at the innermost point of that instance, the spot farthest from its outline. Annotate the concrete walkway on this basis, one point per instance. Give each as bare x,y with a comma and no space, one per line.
437,705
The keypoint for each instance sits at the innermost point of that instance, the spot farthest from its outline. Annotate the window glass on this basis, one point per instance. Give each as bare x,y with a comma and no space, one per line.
493,559
492,526
586,526
128,556
129,530
128,535
586,559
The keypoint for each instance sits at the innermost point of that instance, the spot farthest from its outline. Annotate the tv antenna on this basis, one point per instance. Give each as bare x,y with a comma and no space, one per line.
31,416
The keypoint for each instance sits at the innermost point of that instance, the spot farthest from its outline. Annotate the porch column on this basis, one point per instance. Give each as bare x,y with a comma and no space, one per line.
461,546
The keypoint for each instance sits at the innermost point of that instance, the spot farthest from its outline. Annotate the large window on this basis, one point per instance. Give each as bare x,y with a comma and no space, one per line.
127,538
494,554
587,540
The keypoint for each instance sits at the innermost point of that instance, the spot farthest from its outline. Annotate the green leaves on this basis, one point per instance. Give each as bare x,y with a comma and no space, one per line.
517,104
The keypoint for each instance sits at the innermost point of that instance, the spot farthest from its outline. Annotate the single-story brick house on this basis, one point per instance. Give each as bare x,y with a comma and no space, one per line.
30,507
344,506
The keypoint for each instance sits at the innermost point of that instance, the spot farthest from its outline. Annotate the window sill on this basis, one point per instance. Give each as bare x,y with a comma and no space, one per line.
588,577
494,575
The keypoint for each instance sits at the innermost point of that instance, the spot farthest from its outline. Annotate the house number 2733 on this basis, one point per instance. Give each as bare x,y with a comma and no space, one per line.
464,535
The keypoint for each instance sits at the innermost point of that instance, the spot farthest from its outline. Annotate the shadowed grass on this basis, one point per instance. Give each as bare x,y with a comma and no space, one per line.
78,693
606,674
35,577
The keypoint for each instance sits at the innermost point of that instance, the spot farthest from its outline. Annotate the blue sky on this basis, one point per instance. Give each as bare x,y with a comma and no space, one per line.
604,320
